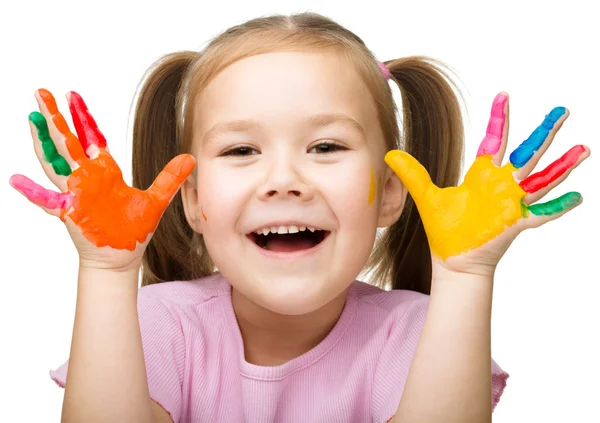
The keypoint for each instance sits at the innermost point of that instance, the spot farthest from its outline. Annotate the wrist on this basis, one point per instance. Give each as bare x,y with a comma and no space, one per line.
96,265
90,274
459,286
453,267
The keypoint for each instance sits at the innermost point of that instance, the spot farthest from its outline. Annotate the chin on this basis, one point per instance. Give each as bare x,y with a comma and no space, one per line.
290,294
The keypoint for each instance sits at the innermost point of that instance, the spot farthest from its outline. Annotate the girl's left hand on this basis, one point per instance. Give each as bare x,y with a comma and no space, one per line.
470,227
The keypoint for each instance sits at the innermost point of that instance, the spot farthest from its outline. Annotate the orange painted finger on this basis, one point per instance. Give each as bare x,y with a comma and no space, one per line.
73,145
171,177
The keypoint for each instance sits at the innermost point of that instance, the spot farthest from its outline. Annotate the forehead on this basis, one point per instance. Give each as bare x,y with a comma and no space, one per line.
282,89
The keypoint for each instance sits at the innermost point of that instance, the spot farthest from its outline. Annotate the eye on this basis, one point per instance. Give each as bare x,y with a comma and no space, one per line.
240,151
327,148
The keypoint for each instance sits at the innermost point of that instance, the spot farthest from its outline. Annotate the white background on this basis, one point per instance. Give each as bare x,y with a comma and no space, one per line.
544,54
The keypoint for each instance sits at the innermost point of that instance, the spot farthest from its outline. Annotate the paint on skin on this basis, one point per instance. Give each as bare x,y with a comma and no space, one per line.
493,137
459,219
372,187
463,218
539,180
73,145
40,195
108,212
203,215
58,162
85,125
524,152
558,205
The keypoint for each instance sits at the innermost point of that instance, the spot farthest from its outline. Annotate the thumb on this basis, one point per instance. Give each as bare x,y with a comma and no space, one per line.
412,173
169,180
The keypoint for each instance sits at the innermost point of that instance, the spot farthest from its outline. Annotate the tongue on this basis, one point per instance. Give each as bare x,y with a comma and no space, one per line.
288,243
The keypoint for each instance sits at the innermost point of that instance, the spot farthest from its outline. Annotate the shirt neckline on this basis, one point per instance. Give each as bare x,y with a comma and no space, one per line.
254,371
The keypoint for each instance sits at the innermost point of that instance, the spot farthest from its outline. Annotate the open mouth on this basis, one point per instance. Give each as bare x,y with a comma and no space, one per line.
289,242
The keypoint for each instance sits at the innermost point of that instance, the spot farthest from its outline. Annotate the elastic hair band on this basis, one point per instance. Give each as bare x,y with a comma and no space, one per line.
384,69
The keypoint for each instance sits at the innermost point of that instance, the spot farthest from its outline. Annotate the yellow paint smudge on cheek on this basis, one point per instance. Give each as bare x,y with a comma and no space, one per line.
372,187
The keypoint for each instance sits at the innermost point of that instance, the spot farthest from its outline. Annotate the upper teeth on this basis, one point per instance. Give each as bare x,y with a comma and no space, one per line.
283,230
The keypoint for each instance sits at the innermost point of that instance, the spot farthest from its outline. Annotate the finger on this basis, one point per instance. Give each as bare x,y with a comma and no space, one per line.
54,165
540,183
553,209
412,173
496,136
85,125
526,156
169,180
54,203
65,141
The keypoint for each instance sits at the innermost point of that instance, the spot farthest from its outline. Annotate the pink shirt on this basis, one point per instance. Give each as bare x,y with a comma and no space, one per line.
196,368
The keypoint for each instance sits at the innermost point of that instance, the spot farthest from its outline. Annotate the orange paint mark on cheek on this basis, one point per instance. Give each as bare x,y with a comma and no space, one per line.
108,212
203,215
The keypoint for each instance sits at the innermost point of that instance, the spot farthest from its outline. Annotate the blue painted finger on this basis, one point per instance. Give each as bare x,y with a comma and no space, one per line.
524,152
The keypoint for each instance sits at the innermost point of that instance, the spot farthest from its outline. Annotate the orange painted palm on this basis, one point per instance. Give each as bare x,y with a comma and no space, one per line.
471,226
94,196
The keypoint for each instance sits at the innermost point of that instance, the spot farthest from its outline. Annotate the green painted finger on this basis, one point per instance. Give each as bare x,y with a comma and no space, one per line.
558,205
59,164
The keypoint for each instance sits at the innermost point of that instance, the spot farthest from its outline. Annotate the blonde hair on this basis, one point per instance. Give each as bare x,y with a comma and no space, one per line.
432,131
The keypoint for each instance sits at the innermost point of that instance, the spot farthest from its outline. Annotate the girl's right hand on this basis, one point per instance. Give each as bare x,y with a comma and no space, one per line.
109,222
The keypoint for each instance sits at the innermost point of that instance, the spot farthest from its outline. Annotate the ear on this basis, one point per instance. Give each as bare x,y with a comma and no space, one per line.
393,199
191,205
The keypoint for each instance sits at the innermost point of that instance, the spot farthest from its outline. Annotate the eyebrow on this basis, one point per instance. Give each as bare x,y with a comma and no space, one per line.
314,121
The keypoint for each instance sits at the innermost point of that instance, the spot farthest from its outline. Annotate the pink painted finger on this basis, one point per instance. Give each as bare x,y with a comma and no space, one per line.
85,125
495,132
39,195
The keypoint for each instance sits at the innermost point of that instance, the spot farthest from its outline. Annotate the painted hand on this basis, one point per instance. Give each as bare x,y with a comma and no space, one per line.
93,194
472,225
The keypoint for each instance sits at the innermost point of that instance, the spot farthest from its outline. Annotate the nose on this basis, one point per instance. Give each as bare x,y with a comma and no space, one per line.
284,180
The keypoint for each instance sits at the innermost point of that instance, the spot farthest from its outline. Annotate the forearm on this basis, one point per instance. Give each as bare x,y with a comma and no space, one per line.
450,376
106,379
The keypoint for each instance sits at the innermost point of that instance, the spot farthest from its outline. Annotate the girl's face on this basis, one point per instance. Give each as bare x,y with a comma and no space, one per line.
289,141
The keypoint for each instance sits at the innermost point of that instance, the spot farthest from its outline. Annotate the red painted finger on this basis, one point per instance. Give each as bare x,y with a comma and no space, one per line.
85,125
555,170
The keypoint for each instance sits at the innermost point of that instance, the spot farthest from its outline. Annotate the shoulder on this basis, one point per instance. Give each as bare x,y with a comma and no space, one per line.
182,293
394,303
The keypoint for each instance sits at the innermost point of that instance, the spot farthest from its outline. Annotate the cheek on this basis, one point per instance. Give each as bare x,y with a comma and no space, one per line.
353,195
220,193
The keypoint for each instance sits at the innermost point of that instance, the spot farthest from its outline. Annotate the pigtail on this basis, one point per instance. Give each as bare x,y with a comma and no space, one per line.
174,252
433,133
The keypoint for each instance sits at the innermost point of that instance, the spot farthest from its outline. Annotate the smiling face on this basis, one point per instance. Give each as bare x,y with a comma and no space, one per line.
309,154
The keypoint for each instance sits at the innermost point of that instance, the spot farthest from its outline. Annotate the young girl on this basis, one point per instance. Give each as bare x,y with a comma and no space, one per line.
277,133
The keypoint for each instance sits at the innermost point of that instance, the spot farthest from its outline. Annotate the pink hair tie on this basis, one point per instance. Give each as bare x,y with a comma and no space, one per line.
384,69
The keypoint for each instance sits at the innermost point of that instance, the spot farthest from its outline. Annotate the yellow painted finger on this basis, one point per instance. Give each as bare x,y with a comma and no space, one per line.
412,173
